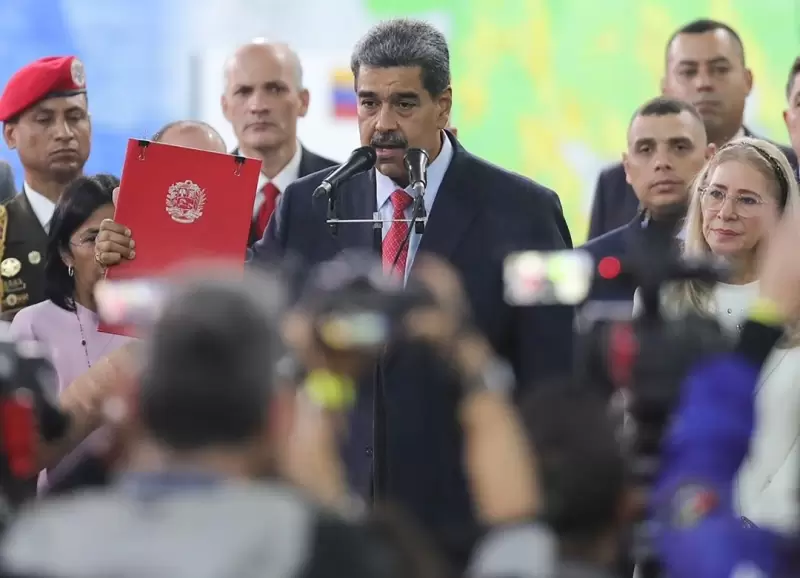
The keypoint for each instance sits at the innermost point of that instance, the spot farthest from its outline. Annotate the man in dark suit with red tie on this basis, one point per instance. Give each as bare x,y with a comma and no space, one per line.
263,100
705,66
404,442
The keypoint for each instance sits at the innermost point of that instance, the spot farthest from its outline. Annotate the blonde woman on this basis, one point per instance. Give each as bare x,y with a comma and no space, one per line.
737,199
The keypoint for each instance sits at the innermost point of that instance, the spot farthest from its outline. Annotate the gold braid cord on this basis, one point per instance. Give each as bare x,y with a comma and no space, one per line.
3,230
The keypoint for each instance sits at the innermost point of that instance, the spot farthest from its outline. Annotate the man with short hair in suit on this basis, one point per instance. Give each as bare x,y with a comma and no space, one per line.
264,98
791,116
404,442
478,213
705,66
667,148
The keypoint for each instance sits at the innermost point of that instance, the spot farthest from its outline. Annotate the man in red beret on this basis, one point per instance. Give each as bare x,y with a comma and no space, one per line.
45,118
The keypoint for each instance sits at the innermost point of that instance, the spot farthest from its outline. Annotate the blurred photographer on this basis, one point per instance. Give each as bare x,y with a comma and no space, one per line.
588,496
701,534
202,494
338,335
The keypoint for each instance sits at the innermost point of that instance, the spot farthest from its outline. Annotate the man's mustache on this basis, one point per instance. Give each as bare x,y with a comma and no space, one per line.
388,140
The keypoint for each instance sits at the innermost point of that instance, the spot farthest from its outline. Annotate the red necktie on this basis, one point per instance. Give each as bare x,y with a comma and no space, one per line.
394,241
267,207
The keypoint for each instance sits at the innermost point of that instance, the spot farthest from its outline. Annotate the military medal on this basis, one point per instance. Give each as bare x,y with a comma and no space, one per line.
10,267
11,300
34,257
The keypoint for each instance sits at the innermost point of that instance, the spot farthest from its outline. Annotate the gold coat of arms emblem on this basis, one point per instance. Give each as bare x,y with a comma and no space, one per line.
185,201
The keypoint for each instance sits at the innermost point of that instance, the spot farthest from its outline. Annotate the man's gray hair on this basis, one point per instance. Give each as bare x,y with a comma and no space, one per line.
405,42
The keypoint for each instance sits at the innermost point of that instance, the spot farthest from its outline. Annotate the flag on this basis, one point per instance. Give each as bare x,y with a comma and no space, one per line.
345,105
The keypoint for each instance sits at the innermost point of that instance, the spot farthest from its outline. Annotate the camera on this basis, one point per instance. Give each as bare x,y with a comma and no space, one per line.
355,305
640,361
28,413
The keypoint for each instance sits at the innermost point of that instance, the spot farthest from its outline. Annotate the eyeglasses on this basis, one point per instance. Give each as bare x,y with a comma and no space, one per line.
744,204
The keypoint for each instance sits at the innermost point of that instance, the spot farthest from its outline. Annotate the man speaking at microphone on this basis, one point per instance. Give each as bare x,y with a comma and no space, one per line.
404,443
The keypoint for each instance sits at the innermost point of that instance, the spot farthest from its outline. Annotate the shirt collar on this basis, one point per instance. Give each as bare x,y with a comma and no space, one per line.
289,174
436,171
42,207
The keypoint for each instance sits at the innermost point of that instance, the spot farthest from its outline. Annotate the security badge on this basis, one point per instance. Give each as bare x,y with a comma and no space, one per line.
691,504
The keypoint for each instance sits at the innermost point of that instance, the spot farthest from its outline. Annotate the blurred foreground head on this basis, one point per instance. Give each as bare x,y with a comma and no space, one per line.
208,384
583,474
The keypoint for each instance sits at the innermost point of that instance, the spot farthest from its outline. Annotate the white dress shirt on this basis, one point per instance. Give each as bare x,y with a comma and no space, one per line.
42,207
289,174
384,187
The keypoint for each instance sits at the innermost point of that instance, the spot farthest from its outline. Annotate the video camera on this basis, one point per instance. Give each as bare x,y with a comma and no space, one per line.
355,305
28,413
639,361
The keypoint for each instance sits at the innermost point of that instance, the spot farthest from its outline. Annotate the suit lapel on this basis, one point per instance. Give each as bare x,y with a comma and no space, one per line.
457,203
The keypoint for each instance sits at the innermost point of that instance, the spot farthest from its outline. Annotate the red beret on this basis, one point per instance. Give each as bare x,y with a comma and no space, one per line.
44,78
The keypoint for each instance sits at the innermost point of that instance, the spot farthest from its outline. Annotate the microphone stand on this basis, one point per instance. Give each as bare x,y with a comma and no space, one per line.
418,213
333,213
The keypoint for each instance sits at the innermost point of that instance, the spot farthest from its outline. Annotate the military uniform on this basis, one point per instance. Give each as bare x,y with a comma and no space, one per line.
22,249
23,239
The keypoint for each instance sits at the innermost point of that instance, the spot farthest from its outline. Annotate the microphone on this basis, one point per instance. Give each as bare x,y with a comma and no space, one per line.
416,161
361,160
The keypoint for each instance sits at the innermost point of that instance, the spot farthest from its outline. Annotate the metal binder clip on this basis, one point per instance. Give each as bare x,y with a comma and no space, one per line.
239,162
143,144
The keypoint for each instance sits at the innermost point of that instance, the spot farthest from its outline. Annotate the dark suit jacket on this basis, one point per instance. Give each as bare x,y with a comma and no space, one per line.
639,239
612,244
615,203
481,213
7,188
309,163
26,242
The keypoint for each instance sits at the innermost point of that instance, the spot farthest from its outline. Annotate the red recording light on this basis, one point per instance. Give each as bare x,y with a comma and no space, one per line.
609,267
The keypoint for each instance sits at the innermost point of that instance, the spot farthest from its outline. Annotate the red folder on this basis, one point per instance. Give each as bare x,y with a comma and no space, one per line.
182,205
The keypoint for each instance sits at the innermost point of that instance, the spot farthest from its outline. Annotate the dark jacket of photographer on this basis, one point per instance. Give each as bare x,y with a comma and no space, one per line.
199,530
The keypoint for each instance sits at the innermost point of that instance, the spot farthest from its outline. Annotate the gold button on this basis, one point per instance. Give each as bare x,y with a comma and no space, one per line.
10,267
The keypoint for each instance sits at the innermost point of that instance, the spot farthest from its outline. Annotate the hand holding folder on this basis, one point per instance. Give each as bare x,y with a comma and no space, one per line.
182,205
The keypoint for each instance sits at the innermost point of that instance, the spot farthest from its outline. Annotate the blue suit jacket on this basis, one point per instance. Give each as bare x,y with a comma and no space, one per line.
407,412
